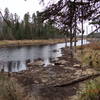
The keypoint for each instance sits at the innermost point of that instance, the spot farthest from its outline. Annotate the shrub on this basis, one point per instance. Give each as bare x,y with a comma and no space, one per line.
94,46
91,91
91,58
9,89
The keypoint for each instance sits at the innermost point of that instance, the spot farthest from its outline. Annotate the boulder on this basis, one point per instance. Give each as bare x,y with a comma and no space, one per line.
61,62
40,63
77,65
44,80
36,63
89,71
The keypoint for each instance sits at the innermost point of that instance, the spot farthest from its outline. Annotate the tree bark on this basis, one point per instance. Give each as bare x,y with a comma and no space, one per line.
66,40
71,43
82,30
75,40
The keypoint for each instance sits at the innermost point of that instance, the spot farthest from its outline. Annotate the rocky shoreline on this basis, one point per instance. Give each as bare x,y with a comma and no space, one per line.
42,81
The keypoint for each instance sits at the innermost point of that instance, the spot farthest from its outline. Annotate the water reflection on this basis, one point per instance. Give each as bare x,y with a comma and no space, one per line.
12,66
14,59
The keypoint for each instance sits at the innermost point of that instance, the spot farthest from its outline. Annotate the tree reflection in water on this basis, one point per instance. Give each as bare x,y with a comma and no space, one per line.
10,66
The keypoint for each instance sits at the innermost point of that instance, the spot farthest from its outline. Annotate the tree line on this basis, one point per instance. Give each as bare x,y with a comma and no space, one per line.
12,28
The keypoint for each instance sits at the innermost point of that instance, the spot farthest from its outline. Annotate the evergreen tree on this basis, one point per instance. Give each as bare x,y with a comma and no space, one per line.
27,25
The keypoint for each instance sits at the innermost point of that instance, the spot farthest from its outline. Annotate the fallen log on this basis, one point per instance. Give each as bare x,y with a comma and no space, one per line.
78,80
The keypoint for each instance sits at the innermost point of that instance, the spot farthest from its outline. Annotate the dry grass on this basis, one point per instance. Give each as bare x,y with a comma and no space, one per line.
6,43
91,91
10,89
91,55
30,42
91,58
94,46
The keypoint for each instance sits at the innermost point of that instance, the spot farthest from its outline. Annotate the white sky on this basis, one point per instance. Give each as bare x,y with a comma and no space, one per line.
21,7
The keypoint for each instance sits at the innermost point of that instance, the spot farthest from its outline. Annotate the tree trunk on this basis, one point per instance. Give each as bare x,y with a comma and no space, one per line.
75,40
82,30
65,40
71,45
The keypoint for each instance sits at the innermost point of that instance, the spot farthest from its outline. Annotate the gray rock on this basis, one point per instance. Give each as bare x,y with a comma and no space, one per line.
36,63
61,62
77,65
44,80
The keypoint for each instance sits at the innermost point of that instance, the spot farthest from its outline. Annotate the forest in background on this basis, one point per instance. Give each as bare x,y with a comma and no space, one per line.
80,65
12,28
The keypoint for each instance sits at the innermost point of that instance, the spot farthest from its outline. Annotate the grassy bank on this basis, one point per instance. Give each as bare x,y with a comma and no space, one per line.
6,43
10,89
90,89
93,46
91,54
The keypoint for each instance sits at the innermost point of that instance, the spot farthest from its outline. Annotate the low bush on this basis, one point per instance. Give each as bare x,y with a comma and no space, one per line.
91,91
9,89
94,46
91,58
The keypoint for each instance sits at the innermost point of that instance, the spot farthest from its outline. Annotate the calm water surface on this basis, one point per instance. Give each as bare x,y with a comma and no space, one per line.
14,59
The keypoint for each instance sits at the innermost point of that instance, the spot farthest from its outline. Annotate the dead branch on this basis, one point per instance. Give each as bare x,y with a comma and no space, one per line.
81,79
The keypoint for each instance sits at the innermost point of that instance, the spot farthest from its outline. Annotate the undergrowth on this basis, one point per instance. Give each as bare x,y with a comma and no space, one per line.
91,58
93,46
9,89
91,91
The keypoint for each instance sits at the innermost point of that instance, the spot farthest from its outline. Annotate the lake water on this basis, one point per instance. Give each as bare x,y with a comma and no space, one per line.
14,59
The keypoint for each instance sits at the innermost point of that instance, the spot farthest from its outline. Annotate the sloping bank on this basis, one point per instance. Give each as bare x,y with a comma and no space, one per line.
50,82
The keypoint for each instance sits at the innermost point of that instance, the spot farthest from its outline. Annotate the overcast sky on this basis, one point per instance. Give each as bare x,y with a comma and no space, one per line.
21,7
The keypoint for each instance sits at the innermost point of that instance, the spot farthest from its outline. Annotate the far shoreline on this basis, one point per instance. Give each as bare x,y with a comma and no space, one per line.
17,43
